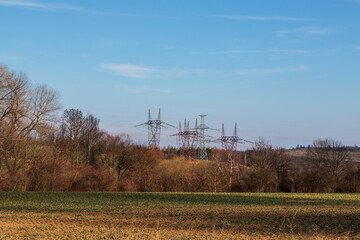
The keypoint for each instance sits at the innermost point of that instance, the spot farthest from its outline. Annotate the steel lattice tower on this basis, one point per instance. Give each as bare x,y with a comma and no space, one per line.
187,138
229,143
154,129
203,138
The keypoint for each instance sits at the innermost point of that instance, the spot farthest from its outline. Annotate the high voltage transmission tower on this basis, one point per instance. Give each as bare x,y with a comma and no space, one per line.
229,143
190,138
154,129
187,138
202,154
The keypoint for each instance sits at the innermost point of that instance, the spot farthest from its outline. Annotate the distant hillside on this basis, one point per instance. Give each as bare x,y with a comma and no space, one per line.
355,156
298,154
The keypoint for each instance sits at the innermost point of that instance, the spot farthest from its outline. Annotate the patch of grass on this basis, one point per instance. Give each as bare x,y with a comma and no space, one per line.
69,215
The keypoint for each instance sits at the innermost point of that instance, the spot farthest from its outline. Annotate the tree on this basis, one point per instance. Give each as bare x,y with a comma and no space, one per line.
260,156
80,136
325,162
268,167
25,112
70,134
328,154
72,124
119,154
219,172
91,136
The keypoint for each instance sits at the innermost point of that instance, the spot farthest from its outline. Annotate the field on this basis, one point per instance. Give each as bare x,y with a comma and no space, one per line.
66,215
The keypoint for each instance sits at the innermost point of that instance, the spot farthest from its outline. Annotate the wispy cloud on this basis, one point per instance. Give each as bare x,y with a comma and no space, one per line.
357,47
257,18
23,4
142,72
47,6
308,30
276,51
71,8
143,89
127,70
264,71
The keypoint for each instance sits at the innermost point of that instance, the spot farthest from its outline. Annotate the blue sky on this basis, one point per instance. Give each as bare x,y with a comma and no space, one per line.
285,70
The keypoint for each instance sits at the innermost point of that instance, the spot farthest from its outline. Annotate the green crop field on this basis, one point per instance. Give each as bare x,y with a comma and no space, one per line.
68,215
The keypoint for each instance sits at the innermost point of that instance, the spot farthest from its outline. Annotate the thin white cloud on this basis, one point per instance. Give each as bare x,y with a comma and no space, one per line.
127,70
276,51
141,72
257,18
23,4
71,8
265,71
31,4
357,47
140,90
308,30
46,6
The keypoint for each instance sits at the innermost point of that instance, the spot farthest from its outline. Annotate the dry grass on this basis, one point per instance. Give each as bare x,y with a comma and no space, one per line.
178,216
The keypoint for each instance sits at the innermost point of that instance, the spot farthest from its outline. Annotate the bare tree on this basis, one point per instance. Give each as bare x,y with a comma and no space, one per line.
260,156
70,133
23,108
41,110
91,135
328,154
218,171
120,154
24,112
72,124
80,136
269,166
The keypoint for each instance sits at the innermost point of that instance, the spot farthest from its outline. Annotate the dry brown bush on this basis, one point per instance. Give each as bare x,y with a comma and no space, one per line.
90,178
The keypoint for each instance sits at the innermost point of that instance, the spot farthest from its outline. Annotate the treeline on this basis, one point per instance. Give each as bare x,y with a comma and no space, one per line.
40,151
348,148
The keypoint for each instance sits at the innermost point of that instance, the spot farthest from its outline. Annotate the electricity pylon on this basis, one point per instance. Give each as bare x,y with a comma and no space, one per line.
154,129
202,154
187,138
229,144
